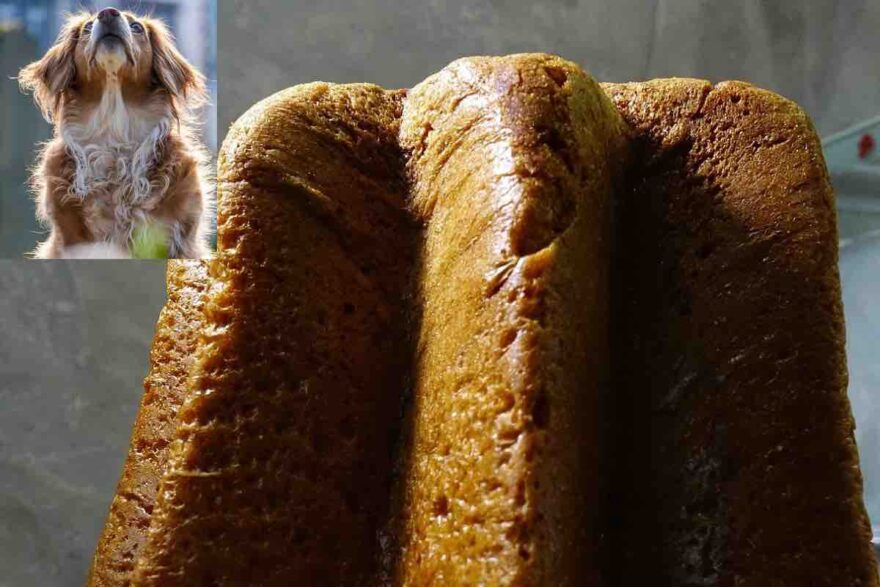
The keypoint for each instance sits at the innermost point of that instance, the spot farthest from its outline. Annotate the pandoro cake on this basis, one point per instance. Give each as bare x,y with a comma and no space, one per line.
507,327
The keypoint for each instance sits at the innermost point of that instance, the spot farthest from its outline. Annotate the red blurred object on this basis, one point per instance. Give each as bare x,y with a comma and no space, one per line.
866,145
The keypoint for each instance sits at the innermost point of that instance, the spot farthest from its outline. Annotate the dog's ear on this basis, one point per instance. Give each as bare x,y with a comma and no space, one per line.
49,77
172,71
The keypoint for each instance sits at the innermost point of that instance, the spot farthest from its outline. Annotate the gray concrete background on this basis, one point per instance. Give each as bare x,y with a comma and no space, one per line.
74,340
860,277
74,336
821,53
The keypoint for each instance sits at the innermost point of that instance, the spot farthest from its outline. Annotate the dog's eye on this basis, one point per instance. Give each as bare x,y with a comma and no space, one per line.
88,28
137,27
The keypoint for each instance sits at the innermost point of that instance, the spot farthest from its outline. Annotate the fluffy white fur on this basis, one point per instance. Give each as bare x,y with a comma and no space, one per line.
114,149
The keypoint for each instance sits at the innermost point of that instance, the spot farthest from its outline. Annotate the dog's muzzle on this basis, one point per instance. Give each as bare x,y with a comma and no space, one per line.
112,27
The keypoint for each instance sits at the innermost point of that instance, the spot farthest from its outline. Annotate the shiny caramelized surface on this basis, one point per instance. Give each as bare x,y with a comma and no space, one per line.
511,162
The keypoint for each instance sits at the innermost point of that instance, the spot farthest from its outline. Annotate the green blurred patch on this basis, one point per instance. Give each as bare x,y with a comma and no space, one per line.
150,241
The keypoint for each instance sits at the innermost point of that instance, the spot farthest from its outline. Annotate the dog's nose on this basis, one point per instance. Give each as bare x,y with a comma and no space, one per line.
107,14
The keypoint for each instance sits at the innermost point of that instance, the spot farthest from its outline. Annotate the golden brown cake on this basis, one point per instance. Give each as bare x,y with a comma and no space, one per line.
177,331
282,464
737,463
511,161
428,353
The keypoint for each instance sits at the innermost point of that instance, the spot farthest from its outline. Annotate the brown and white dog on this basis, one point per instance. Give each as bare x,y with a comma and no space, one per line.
124,160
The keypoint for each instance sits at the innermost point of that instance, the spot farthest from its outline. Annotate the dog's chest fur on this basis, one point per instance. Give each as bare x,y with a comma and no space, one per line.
114,149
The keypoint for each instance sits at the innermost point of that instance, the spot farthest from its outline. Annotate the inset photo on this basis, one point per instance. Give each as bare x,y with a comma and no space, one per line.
110,134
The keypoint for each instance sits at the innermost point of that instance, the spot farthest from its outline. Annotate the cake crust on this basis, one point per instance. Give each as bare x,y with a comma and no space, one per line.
283,453
740,463
177,332
511,161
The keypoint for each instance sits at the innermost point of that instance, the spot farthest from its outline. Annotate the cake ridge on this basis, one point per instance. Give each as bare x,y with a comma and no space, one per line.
310,439
742,208
500,228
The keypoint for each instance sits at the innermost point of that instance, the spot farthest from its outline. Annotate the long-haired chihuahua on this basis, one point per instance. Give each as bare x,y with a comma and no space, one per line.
124,161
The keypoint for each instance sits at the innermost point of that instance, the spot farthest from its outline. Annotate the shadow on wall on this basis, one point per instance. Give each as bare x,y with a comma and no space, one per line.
22,130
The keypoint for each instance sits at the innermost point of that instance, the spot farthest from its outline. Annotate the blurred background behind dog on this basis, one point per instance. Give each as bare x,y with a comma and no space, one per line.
27,29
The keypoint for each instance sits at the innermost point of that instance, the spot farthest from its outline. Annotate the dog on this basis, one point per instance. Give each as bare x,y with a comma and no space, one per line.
124,160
